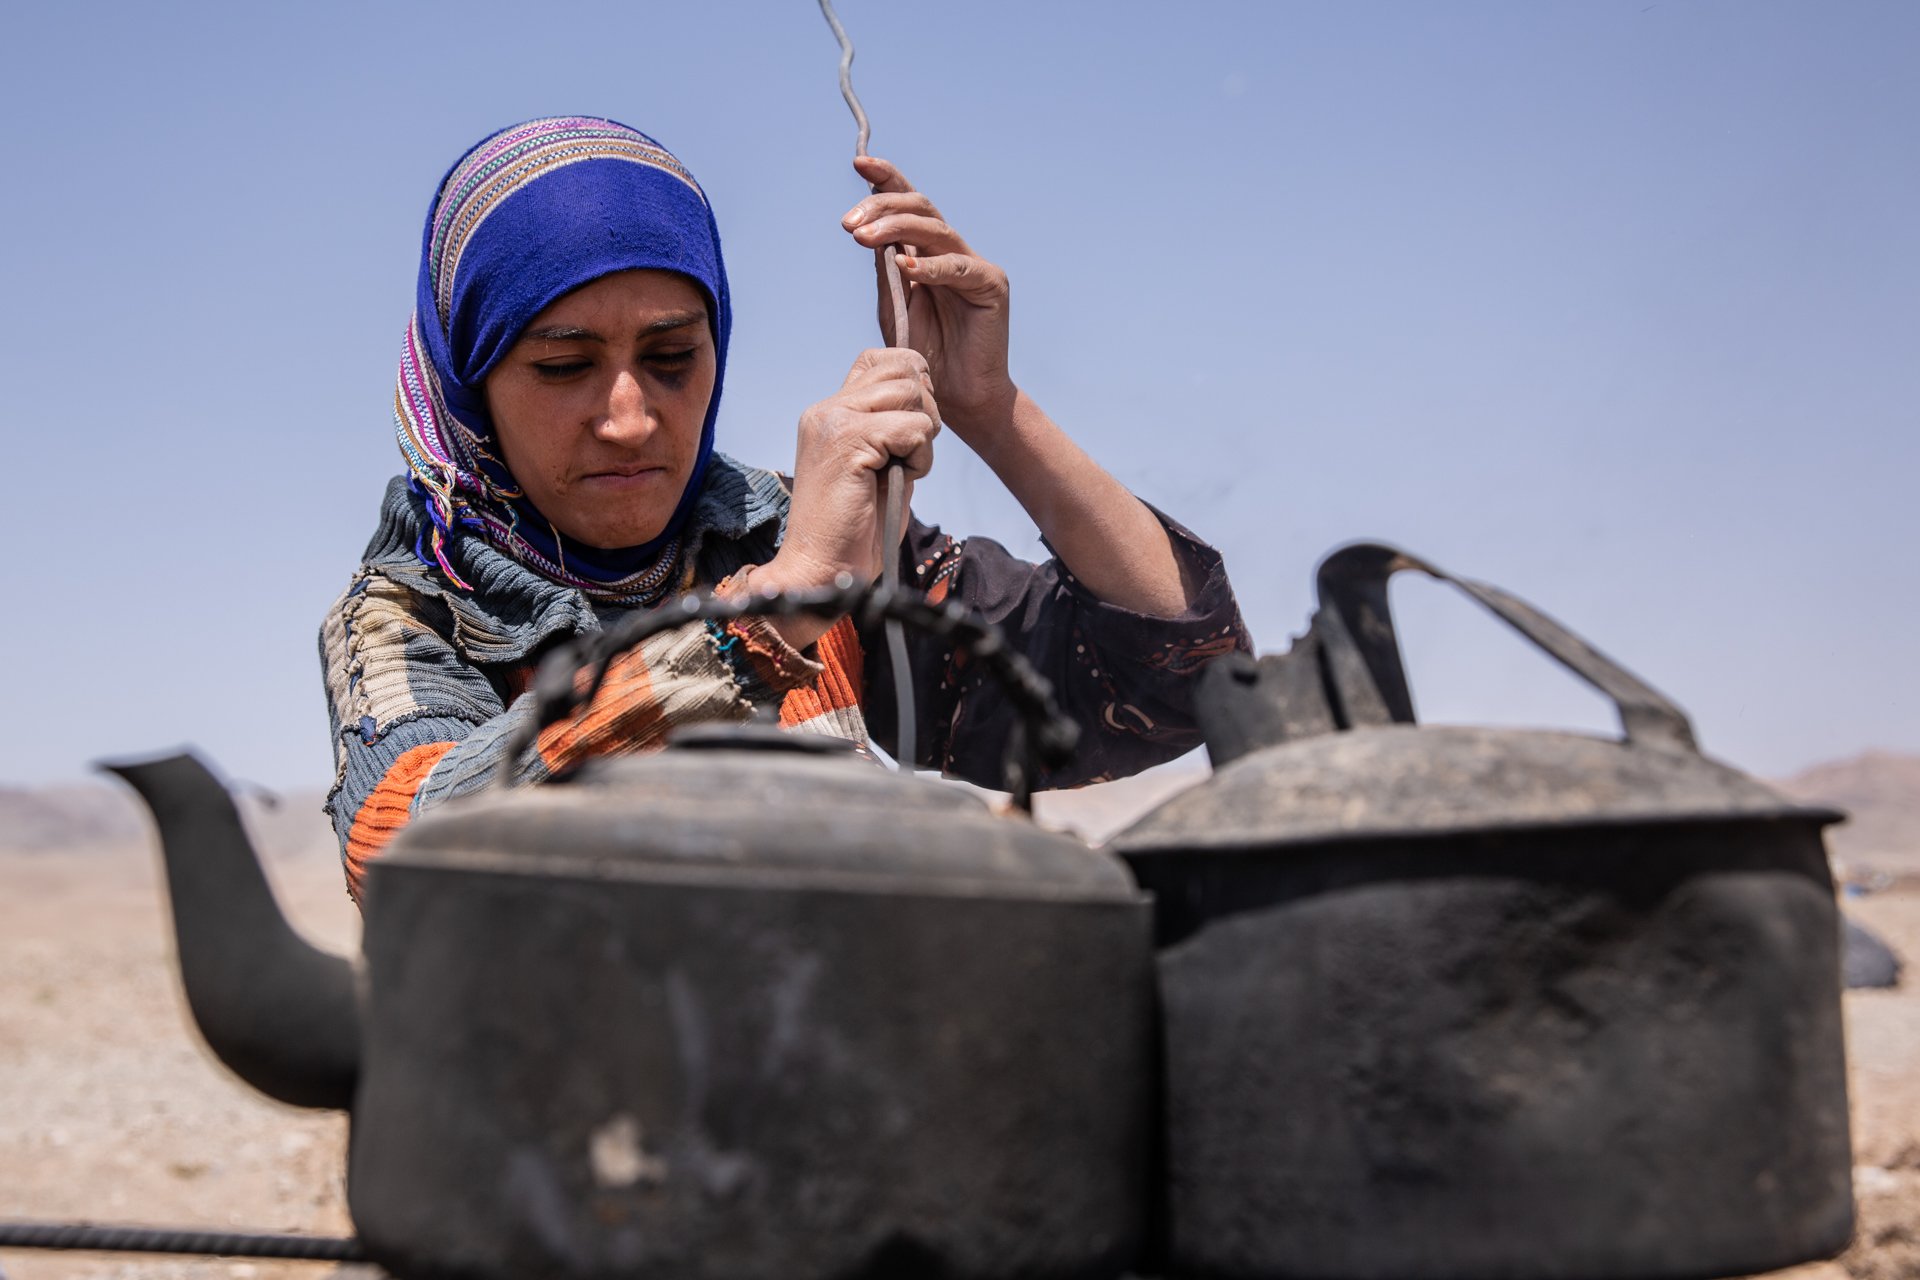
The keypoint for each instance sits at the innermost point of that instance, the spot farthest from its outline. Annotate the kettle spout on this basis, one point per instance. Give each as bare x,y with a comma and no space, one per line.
276,1009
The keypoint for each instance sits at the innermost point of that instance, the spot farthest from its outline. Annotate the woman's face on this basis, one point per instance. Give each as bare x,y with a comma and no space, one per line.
598,407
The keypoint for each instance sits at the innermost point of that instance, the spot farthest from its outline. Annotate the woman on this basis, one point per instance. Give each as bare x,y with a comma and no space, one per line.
556,402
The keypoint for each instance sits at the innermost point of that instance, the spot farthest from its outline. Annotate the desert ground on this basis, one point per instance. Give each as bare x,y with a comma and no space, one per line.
112,1111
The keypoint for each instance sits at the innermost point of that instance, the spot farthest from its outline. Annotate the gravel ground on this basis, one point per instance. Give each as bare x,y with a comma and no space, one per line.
110,1109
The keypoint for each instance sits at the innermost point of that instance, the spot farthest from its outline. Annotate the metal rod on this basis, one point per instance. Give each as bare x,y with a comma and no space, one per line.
905,745
893,479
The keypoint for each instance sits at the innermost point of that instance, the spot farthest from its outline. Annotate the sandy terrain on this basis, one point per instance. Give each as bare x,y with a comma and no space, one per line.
111,1110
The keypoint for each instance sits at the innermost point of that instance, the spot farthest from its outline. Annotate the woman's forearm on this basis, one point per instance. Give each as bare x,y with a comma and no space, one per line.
1103,534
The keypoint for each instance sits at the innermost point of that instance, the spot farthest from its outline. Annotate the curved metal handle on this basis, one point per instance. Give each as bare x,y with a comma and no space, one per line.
1042,737
1362,654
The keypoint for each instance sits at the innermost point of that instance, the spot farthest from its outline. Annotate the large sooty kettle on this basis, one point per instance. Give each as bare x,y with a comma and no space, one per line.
750,1007
1490,1003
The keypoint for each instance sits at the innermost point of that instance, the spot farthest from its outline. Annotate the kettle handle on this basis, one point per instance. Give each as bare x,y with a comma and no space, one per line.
1042,736
1364,671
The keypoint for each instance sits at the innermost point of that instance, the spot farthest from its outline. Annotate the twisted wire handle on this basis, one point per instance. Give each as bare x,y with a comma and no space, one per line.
1043,736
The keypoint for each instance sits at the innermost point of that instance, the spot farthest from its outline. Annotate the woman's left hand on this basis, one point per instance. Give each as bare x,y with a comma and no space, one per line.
956,300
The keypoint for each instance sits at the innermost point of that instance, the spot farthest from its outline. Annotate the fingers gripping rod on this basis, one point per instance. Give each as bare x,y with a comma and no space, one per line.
893,479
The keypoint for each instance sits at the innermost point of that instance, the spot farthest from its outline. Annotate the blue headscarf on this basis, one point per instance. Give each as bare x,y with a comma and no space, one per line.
528,214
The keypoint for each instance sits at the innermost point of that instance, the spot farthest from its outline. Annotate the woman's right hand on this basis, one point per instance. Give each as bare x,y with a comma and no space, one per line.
884,410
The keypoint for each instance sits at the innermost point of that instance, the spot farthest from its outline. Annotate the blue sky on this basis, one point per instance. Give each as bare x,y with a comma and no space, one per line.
1613,304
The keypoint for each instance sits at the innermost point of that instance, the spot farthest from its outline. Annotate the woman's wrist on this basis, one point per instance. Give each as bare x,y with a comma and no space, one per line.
773,578
1018,443
984,418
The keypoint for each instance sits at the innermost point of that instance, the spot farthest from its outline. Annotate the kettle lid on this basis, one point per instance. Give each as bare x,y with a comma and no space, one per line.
1319,743
1400,780
744,802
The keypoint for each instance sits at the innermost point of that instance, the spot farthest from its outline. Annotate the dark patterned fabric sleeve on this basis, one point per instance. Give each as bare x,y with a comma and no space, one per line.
1126,678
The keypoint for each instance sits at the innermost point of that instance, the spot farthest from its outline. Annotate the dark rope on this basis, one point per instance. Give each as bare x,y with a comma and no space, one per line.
99,1238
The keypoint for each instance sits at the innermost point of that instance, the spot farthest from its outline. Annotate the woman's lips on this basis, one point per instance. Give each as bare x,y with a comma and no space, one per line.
624,477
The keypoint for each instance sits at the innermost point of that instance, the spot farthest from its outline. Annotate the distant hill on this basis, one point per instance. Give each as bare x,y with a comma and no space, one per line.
1880,792
103,817
34,820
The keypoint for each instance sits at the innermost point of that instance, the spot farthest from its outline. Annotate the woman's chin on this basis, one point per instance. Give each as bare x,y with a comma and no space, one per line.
634,536
615,532
611,513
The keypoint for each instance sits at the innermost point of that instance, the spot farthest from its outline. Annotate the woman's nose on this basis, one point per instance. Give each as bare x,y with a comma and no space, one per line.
627,415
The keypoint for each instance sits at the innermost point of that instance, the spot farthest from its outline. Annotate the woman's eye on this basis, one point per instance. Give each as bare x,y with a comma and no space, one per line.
672,359
561,368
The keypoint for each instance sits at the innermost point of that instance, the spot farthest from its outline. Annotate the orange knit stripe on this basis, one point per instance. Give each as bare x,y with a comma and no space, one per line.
384,811
624,711
836,688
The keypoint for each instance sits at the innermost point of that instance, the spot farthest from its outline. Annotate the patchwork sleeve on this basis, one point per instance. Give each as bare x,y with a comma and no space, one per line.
1126,678
414,724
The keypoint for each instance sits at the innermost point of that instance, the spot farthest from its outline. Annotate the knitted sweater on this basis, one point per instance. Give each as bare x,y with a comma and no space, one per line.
426,683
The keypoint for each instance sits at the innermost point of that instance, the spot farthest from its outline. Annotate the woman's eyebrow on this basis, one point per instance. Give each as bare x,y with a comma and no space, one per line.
678,320
575,333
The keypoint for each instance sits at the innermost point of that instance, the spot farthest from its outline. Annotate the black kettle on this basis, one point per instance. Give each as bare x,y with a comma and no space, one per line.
746,1007
1491,1003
